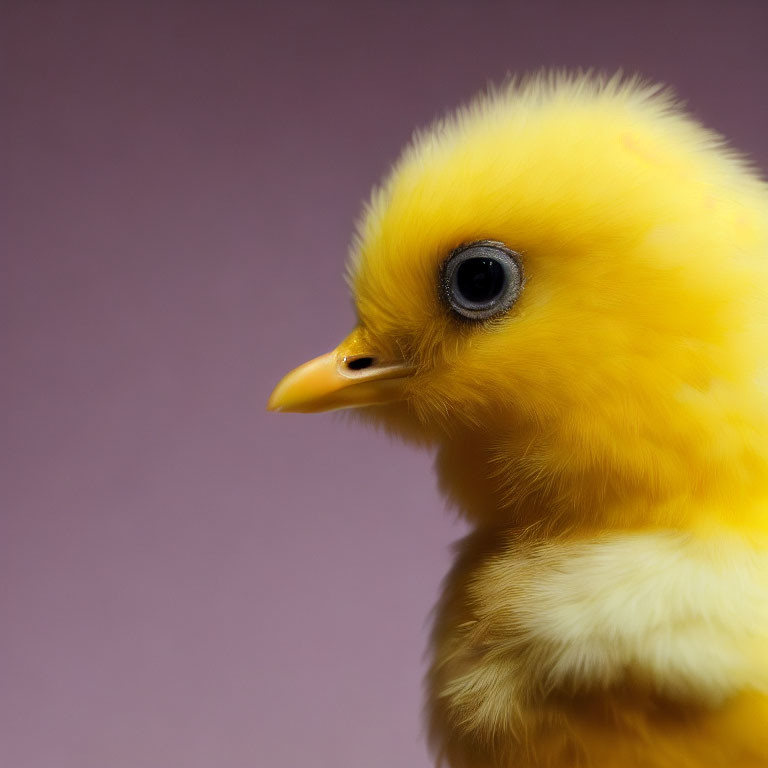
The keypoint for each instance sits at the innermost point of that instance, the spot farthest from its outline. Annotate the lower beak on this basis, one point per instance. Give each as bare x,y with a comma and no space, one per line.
351,376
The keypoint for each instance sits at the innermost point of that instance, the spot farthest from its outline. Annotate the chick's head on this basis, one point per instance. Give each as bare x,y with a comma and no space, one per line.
571,260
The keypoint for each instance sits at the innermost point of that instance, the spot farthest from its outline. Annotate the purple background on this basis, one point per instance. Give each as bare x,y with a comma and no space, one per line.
186,580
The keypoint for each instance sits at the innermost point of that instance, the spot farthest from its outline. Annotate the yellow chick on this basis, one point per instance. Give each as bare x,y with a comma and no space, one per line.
563,289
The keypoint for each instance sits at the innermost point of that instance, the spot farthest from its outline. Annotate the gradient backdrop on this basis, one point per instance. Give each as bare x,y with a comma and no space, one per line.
185,580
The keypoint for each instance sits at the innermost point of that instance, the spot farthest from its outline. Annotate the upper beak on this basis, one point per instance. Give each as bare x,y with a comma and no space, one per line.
350,376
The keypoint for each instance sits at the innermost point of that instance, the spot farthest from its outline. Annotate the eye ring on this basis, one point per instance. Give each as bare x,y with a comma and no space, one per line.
481,280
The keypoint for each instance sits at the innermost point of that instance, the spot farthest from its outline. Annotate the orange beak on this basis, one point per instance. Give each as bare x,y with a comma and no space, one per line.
350,376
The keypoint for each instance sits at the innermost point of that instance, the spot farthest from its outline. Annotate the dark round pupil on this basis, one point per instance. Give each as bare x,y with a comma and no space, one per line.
480,280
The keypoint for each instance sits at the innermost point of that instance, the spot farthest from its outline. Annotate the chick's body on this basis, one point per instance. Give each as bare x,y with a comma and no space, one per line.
606,434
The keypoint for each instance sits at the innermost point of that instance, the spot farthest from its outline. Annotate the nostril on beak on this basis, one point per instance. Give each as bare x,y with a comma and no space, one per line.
358,363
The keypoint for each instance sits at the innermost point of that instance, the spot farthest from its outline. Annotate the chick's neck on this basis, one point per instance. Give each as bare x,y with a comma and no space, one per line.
543,483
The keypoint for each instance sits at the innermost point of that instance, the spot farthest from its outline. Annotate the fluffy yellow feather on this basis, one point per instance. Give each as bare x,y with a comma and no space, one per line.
606,434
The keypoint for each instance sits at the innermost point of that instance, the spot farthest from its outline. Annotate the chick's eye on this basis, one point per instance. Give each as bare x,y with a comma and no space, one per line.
481,280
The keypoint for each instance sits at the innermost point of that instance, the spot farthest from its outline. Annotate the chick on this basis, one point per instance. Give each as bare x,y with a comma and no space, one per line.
563,289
